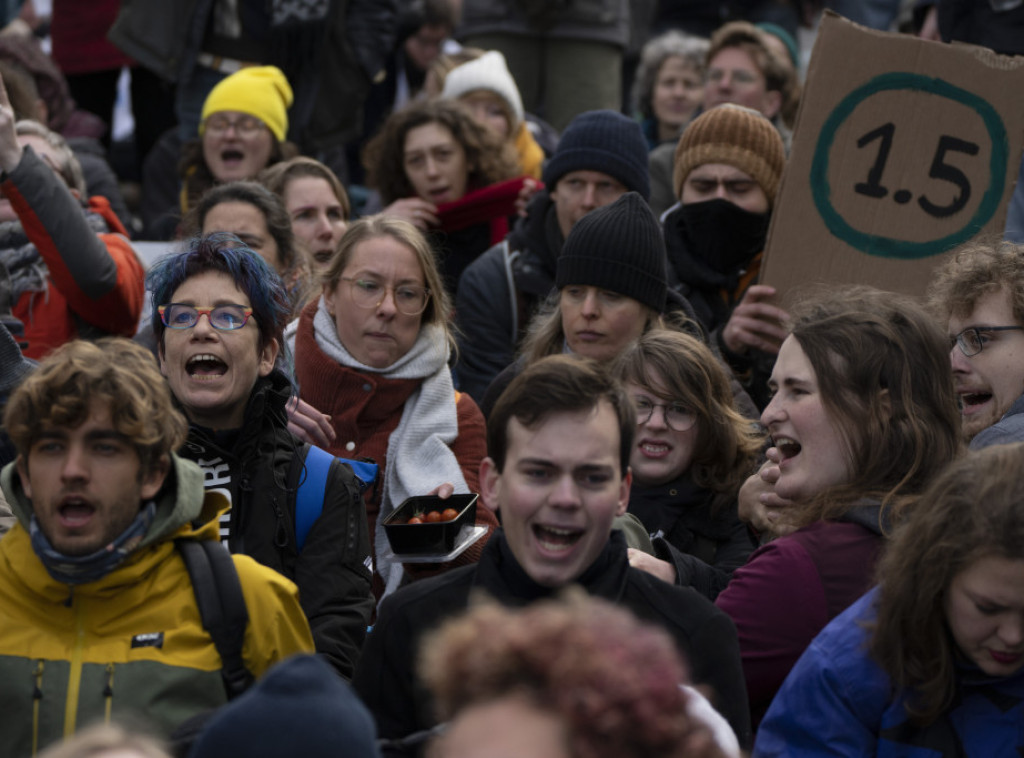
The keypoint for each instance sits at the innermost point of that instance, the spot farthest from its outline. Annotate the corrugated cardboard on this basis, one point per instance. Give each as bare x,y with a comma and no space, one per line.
903,150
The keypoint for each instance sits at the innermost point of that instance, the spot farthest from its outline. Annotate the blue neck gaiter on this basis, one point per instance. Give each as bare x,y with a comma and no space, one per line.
82,569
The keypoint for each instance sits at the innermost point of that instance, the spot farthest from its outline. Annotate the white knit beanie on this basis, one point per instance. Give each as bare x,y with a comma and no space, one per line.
488,72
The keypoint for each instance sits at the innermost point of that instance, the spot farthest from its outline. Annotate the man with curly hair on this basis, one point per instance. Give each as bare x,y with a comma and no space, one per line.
979,295
99,614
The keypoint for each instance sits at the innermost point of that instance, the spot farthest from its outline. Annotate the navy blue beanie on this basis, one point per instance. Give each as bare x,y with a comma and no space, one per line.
300,707
604,141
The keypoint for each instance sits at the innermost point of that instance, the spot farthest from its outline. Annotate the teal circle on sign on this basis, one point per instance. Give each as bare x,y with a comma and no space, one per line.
887,247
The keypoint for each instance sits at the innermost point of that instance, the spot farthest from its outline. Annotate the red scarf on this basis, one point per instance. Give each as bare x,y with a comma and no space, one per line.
492,204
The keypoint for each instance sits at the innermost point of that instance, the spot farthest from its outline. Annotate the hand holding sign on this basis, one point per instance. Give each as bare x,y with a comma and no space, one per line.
755,323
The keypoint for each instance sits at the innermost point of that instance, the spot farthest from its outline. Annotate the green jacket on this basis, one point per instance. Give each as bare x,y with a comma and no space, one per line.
131,641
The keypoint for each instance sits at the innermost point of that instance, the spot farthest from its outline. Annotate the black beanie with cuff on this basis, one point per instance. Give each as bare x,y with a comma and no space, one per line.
618,248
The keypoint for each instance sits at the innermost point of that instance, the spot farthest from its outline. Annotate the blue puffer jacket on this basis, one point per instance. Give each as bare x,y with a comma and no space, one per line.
838,702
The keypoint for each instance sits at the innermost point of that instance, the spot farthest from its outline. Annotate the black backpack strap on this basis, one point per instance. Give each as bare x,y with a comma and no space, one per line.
221,607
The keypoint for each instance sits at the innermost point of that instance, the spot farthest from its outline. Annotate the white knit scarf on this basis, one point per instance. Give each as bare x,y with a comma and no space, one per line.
419,457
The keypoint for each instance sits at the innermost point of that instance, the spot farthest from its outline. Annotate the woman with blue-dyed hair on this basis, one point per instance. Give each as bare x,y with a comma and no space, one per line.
227,254
219,312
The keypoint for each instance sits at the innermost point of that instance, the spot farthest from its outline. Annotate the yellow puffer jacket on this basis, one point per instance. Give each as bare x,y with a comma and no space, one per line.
131,641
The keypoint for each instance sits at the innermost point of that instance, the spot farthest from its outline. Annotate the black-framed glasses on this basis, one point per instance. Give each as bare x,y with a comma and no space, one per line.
677,416
970,340
410,299
224,318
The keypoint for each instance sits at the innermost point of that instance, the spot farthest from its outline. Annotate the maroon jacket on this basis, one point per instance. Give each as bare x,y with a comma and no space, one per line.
791,588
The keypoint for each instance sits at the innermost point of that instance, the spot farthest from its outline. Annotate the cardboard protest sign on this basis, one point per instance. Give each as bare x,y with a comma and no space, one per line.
903,150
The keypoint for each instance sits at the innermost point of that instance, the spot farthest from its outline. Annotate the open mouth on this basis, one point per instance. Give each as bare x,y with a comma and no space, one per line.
75,512
971,400
555,539
206,366
232,156
788,448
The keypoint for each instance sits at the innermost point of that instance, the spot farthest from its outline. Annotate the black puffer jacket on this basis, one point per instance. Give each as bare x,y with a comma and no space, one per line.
253,467
696,529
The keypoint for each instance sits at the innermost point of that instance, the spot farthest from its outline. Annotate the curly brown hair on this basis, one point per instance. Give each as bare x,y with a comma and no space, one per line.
977,268
610,678
488,158
974,509
113,370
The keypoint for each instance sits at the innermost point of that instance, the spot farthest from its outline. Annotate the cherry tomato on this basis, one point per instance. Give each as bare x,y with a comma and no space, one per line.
432,517
415,520
449,514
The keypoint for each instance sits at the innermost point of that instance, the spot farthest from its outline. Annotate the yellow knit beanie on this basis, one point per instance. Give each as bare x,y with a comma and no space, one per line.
260,91
736,136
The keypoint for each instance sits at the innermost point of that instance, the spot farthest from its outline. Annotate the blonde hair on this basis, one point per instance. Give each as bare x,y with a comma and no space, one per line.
545,335
381,225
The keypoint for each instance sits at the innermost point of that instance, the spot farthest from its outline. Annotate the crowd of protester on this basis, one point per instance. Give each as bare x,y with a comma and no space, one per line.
503,252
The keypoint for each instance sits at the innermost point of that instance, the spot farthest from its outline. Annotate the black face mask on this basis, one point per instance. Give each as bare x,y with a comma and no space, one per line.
723,235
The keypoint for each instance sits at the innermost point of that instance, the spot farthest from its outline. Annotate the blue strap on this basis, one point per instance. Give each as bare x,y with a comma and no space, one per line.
365,471
309,500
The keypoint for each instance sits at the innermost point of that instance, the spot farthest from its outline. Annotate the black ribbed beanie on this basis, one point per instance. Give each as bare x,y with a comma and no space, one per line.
617,248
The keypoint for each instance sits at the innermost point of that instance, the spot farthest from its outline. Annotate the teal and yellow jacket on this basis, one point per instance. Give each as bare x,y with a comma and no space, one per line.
133,641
